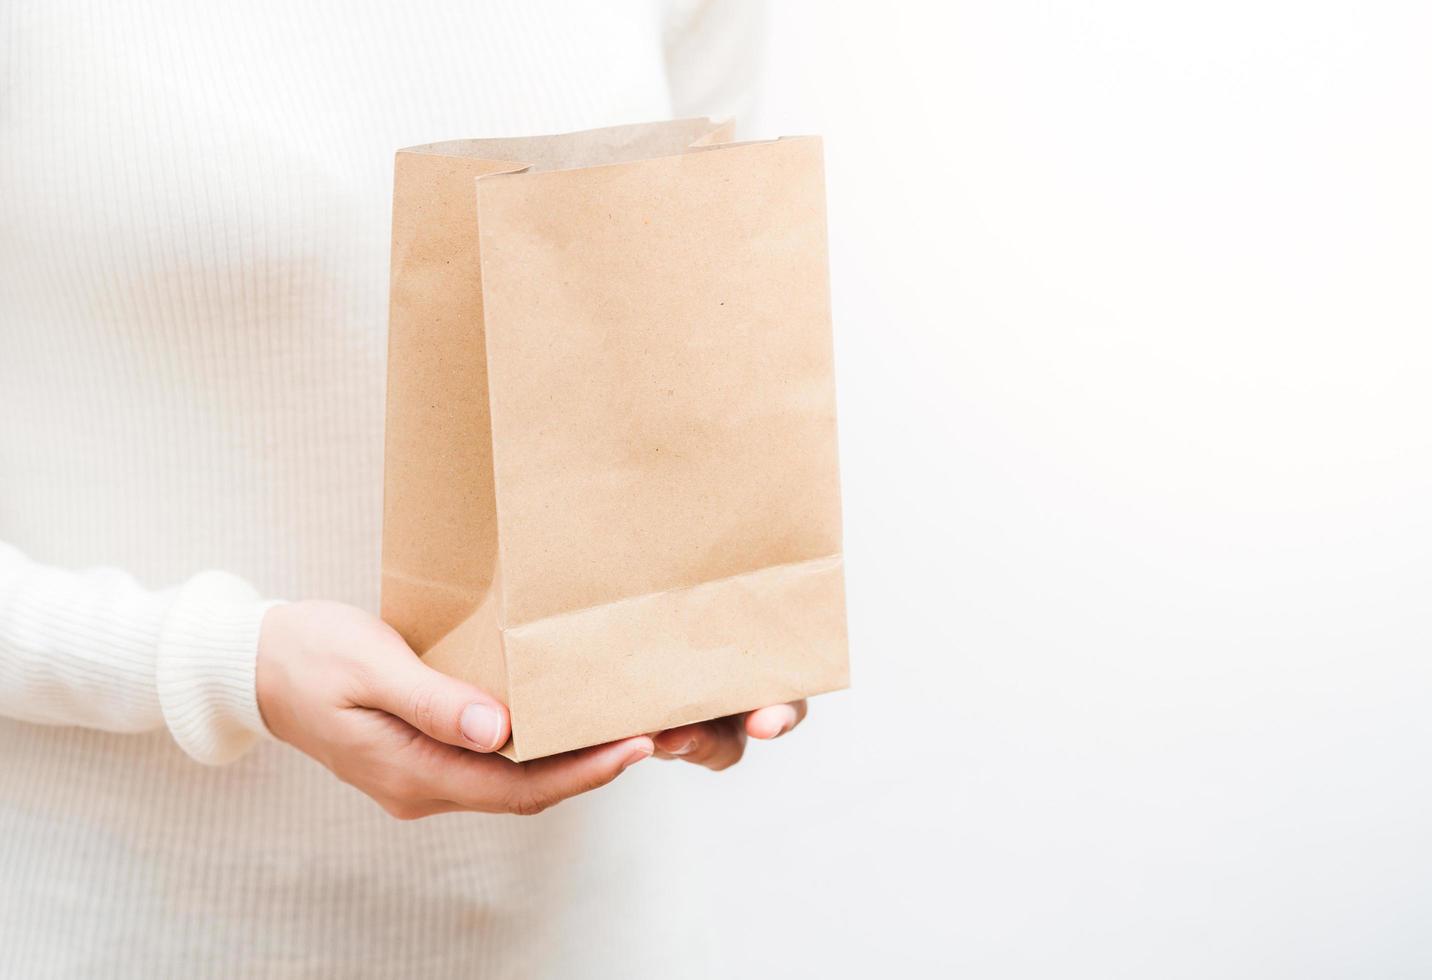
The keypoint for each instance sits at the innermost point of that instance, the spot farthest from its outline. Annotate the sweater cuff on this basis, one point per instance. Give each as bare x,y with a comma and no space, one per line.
207,651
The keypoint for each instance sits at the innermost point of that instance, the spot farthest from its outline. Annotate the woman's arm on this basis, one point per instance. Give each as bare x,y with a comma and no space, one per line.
213,661
98,650
714,50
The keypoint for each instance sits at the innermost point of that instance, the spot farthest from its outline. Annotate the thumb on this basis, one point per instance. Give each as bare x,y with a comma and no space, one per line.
437,705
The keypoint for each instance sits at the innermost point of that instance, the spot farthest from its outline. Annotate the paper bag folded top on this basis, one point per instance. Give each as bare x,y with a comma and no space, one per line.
611,492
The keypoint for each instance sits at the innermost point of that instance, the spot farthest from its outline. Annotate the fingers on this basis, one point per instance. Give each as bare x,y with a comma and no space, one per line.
442,707
713,744
721,743
546,782
775,721
495,785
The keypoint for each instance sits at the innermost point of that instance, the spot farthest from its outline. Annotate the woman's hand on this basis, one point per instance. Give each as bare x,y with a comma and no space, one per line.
721,743
342,686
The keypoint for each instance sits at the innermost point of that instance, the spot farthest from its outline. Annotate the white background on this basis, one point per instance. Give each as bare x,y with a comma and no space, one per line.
1132,322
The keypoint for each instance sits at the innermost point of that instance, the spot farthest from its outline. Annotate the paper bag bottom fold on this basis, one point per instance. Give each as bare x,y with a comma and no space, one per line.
658,661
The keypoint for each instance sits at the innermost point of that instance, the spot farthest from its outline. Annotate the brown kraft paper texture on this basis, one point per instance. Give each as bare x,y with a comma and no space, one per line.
611,489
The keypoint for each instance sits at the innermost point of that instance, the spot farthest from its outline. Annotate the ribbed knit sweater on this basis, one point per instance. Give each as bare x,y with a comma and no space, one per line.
194,215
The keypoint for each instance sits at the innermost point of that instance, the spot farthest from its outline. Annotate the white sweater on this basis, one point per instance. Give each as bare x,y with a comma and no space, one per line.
193,280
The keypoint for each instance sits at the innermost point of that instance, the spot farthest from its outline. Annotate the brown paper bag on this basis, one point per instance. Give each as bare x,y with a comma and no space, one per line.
611,493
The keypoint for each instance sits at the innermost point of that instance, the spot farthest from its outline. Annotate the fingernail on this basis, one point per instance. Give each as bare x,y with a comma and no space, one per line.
790,722
481,725
638,752
665,739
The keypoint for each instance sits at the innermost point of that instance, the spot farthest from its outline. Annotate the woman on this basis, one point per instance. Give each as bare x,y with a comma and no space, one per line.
193,305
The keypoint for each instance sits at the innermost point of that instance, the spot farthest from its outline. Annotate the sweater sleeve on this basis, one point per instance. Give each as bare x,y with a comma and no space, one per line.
96,649
714,50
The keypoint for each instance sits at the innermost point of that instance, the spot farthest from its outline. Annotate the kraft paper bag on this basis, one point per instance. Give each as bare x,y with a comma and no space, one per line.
611,491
